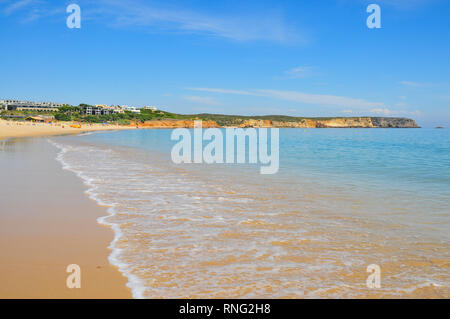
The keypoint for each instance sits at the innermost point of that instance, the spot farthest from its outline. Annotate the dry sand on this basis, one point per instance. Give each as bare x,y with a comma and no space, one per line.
46,223
22,129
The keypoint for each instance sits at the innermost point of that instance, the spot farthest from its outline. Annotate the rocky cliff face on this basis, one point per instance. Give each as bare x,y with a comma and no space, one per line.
173,124
393,122
350,122
344,122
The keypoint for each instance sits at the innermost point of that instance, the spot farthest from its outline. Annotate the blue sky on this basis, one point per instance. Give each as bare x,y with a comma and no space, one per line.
301,58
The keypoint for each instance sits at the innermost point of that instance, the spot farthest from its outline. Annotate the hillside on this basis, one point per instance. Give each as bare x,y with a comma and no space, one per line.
304,122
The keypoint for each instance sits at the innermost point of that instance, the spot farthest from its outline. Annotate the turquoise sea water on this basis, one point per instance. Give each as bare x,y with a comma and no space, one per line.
341,200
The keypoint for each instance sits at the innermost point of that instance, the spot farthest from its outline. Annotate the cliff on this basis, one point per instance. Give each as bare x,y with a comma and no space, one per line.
286,122
393,122
169,123
345,122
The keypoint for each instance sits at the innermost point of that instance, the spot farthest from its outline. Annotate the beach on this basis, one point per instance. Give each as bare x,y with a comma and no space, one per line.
215,231
27,129
48,223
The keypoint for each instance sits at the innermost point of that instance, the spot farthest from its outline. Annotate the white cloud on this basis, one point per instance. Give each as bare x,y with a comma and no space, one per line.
381,111
300,97
242,26
299,72
434,85
15,6
30,10
202,100
319,99
223,91
386,112
412,84
406,4
166,17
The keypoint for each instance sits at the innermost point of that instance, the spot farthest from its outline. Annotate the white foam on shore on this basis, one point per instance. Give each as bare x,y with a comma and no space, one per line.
86,134
182,233
134,283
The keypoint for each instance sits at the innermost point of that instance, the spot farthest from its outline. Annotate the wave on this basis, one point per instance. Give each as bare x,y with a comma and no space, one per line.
134,283
199,232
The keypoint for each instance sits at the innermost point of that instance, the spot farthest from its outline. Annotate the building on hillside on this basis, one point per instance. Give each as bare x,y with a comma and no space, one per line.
117,109
92,110
130,109
150,108
101,109
106,110
16,105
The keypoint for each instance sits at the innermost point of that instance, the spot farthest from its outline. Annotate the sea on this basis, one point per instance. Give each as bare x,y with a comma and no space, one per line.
343,203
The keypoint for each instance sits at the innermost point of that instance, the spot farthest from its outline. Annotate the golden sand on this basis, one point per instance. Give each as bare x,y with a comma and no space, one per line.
24,129
47,223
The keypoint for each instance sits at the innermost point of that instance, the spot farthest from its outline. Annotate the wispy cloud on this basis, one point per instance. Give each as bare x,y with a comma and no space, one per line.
299,97
412,84
202,100
16,6
299,72
401,5
238,26
224,91
164,17
386,112
319,99
434,85
382,111
30,10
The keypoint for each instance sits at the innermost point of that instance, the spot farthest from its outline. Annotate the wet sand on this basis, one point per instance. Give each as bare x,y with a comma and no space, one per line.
46,223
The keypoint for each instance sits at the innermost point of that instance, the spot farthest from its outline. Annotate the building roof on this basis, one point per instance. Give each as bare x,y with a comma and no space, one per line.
35,118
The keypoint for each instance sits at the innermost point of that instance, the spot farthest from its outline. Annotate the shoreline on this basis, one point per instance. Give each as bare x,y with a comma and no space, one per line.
57,225
29,162
11,129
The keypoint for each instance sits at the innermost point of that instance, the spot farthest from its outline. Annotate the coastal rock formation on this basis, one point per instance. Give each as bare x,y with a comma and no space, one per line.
345,122
174,124
393,122
342,122
257,123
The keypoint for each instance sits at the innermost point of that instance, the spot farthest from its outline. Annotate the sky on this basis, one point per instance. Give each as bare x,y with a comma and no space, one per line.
293,57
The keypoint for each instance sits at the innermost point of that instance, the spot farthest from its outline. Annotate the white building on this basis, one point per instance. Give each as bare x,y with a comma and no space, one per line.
29,105
130,109
151,108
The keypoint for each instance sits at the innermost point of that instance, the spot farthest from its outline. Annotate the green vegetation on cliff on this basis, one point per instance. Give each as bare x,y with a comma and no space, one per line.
76,113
